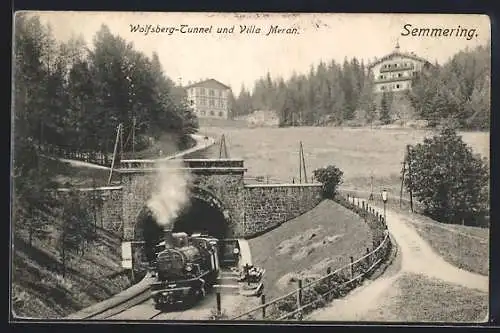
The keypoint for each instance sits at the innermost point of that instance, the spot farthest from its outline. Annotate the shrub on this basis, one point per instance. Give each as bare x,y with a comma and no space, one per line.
330,177
447,179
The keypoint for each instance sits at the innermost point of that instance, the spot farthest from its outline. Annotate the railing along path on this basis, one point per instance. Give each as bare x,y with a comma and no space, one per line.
324,287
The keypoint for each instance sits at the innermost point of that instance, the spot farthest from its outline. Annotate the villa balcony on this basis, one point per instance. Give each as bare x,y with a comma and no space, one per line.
394,79
397,69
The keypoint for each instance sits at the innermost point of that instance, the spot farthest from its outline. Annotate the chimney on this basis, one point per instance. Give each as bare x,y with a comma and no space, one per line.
169,239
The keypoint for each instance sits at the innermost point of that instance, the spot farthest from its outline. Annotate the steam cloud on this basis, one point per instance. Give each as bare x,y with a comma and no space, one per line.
171,194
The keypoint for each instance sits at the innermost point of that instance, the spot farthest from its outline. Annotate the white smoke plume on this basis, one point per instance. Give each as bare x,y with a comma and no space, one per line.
171,193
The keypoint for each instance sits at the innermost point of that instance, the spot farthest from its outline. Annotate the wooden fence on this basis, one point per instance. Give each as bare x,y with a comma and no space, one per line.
99,158
316,293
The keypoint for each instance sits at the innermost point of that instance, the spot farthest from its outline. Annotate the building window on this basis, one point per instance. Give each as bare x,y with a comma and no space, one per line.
220,113
191,102
202,113
397,86
382,87
212,112
211,92
395,65
400,75
211,103
381,77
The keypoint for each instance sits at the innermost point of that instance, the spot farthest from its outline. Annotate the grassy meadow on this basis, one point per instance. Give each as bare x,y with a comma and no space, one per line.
358,152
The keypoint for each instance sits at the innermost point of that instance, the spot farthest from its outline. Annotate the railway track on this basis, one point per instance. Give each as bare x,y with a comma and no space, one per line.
146,311
142,308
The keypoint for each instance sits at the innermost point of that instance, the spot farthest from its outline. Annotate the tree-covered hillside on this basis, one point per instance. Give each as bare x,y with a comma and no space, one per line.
333,93
73,96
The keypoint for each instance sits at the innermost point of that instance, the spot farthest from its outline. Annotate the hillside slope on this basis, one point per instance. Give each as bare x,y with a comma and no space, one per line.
323,237
39,289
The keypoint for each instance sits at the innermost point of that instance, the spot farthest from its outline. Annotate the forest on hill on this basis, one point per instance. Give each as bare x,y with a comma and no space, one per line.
335,93
73,96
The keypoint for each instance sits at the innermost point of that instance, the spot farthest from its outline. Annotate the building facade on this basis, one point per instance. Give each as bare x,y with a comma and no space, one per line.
210,99
395,71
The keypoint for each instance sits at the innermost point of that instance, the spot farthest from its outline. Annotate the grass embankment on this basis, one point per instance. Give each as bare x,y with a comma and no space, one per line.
463,246
420,299
306,246
40,291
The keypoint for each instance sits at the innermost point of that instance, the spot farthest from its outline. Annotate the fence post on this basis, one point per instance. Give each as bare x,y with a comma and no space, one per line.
263,302
368,258
299,299
352,267
363,203
219,309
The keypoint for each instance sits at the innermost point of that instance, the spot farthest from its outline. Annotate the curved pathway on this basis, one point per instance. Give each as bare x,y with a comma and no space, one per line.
201,143
415,256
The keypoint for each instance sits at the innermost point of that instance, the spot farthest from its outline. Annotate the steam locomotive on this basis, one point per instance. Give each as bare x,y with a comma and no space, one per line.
186,267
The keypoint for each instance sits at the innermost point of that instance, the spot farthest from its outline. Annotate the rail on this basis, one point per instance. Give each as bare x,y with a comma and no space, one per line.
318,292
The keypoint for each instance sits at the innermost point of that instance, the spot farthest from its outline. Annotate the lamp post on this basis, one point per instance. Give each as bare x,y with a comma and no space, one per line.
384,199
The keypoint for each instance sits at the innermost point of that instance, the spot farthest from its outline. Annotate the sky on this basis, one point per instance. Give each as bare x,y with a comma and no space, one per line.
241,58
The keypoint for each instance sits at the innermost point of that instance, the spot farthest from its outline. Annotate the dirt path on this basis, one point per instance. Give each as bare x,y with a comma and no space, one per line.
415,256
201,143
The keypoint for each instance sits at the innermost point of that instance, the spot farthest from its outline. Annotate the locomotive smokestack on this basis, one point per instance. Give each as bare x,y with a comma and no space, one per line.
169,239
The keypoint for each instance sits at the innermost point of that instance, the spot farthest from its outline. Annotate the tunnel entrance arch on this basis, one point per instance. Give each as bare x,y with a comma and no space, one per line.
205,213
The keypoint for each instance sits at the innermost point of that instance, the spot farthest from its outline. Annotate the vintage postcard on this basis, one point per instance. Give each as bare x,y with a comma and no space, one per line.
250,167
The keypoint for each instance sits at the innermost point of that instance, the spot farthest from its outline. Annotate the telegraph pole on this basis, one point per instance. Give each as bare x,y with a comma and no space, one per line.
114,153
223,146
410,178
303,161
120,128
300,165
402,183
133,135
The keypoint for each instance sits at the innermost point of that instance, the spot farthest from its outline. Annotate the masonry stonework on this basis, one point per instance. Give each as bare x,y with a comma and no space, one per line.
250,210
227,188
267,206
225,182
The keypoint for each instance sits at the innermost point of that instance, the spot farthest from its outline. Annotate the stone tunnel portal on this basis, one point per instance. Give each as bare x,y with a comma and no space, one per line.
204,214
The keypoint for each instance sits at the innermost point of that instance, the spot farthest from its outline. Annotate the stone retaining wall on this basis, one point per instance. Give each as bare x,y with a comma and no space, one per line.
269,205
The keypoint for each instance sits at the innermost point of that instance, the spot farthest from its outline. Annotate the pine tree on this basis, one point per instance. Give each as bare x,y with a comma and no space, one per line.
385,109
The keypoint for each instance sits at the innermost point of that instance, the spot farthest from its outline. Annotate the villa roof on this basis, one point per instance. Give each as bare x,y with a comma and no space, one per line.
209,83
399,54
